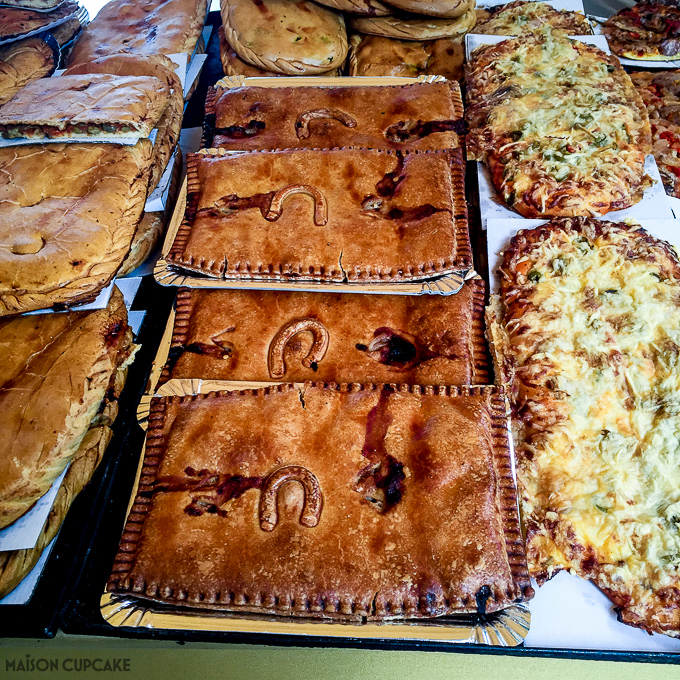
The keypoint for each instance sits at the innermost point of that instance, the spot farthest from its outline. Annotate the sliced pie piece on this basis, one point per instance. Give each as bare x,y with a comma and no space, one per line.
402,506
267,335
326,215
55,371
417,116
82,106
170,123
68,213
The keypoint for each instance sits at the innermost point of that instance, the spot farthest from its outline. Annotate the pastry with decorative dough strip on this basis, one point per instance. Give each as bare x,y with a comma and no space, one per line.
419,484
356,215
415,116
271,335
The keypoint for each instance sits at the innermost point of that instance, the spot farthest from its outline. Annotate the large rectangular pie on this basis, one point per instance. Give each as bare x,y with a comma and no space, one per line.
587,332
141,28
357,215
340,501
56,371
68,213
267,335
82,106
416,116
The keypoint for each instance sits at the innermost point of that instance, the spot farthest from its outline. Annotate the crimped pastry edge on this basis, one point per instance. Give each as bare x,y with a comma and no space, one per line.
521,589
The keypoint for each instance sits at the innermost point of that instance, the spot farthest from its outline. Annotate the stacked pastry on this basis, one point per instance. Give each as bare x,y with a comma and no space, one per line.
60,377
406,37
368,188
32,33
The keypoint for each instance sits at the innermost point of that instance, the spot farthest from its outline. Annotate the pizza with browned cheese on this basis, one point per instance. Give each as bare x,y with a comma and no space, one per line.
660,92
586,335
647,31
559,124
522,17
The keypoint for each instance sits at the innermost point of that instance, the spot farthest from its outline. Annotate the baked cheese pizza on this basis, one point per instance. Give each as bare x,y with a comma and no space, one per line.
586,335
559,124
647,31
521,18
660,92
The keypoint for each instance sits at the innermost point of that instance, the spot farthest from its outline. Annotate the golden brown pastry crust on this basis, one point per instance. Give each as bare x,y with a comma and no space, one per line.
233,65
415,27
446,9
16,564
152,225
265,335
146,29
21,62
430,534
372,55
375,216
68,213
310,39
17,22
170,123
371,8
52,106
416,116
55,371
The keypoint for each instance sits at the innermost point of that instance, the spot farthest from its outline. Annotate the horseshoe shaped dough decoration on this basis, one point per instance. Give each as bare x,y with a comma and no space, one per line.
302,129
320,205
276,362
311,511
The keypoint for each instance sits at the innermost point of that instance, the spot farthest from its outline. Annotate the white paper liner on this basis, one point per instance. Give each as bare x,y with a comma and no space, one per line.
25,532
159,197
24,591
101,301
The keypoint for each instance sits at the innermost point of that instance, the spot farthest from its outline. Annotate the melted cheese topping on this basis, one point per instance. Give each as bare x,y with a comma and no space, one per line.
603,338
525,17
563,109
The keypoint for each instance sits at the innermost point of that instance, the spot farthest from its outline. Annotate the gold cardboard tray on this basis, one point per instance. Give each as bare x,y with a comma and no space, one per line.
506,628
